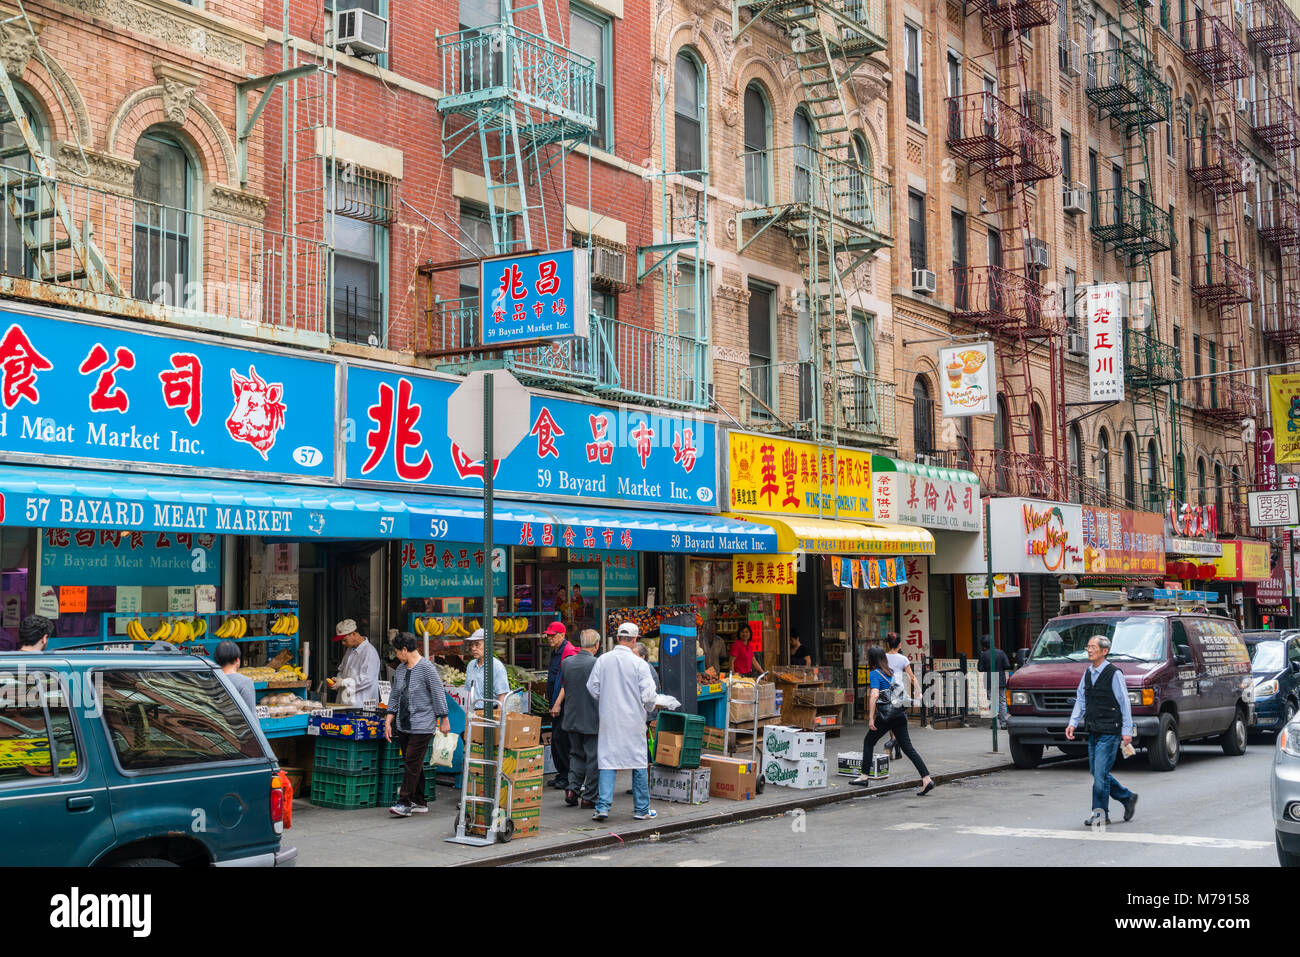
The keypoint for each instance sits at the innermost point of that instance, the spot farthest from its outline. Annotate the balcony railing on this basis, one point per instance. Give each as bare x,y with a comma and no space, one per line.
651,366
1280,321
1269,27
1142,496
1129,222
1219,280
1229,398
1279,222
1213,48
1216,163
1016,14
867,405
1148,361
1120,85
808,182
997,298
1031,474
486,67
169,264
1004,142
861,24
1276,123
797,398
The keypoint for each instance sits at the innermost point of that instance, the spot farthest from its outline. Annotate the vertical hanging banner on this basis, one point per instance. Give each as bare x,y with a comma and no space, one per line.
914,610
1284,403
1103,308
1265,462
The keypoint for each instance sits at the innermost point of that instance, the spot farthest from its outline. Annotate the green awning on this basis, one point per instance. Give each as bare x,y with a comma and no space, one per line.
883,463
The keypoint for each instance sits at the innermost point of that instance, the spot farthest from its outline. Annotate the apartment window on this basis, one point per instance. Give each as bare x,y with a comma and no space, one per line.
1200,483
804,159
1214,382
1182,22
1218,491
1199,384
1062,38
954,94
1191,248
688,129
922,417
916,229
1068,306
16,260
1001,435
1117,199
912,50
688,321
1067,160
1090,34
862,192
360,245
593,36
1130,472
1093,184
960,279
1169,139
966,442
1103,466
480,66
761,319
995,248
1035,430
1164,15
1153,474
758,143
1173,229
163,190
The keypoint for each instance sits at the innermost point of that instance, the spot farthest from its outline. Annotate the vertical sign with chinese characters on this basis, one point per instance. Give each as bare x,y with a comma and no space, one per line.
1265,462
914,610
1104,312
542,296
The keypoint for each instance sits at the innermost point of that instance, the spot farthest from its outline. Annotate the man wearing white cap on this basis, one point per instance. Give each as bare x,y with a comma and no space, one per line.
474,674
624,689
359,669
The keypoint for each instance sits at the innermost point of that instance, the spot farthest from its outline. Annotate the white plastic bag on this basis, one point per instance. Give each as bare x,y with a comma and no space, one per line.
442,749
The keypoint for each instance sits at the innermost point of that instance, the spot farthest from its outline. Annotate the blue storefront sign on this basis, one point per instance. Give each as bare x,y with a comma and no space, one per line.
91,393
543,296
449,570
89,557
622,572
396,433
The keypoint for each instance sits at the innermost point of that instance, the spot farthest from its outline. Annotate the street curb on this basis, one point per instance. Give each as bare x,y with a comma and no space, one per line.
743,813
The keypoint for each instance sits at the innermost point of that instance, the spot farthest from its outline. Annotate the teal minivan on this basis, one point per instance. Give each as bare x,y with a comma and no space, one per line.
132,759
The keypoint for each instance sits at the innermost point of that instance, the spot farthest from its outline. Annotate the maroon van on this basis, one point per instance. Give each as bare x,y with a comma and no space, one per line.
1188,679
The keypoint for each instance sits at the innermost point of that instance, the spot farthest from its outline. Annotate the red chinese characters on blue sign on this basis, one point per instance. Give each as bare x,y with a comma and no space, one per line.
542,296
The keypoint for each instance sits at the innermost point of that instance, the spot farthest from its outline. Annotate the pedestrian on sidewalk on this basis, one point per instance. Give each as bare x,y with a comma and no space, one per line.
901,666
581,722
474,684
886,712
742,656
561,648
1101,702
994,661
417,703
624,687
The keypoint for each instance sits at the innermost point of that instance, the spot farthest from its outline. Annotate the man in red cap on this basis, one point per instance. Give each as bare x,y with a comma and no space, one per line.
561,648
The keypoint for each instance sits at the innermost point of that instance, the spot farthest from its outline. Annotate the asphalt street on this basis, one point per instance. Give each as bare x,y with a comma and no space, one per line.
1212,811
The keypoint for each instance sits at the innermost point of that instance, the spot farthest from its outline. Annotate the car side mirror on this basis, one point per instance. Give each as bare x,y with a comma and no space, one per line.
1184,660
1022,655
1295,666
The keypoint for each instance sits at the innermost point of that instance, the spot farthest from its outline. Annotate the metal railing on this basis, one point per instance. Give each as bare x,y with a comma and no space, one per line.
646,364
1220,280
994,296
1148,360
797,397
1010,144
1031,474
1280,320
1017,14
490,65
1276,122
1216,163
1128,221
802,176
867,34
171,263
1279,222
1213,47
1117,82
867,404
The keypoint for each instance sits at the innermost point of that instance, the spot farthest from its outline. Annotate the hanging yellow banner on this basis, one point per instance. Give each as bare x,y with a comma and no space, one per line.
765,574
1284,401
783,477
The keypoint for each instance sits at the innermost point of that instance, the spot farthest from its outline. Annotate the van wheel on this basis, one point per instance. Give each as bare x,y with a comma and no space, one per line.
1289,710
1164,749
146,862
1285,857
1026,756
1233,741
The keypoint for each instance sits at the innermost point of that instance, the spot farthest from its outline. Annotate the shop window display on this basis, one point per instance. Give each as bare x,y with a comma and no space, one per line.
17,550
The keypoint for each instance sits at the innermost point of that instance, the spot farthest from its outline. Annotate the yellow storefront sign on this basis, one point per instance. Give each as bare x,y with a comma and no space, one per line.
765,574
783,477
1284,400
1243,562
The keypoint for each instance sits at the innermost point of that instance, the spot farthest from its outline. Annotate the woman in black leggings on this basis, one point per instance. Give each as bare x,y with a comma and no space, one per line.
881,680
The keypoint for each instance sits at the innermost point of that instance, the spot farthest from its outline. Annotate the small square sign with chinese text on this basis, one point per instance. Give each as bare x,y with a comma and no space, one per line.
1274,508
541,296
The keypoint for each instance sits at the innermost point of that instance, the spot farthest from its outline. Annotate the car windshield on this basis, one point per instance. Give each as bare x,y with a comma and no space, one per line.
1266,656
1140,638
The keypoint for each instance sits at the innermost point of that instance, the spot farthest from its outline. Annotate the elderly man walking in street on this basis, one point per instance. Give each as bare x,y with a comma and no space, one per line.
580,720
1102,704
624,689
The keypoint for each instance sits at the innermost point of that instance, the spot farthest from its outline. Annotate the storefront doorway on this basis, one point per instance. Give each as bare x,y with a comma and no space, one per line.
338,581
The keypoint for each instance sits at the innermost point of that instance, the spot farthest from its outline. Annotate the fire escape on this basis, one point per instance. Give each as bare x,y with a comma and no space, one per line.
1123,83
1006,136
837,215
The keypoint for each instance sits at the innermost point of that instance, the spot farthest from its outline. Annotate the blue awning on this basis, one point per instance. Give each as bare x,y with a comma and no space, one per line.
129,501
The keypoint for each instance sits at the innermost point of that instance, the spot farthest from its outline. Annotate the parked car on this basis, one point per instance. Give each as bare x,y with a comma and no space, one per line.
1275,664
1188,678
1284,792
132,758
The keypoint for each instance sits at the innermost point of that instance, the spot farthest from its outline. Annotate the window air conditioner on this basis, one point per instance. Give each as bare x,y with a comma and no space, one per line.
608,265
360,32
1076,344
1037,252
1243,104
1074,198
924,280
1249,210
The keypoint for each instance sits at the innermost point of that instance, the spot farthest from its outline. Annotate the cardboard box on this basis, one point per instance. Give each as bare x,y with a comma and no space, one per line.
731,778
668,749
516,763
715,740
848,762
684,787
522,731
528,793
793,744
794,774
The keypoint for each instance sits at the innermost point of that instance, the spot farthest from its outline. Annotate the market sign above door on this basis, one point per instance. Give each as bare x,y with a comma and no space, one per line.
395,433
1031,536
774,476
1122,542
449,570
526,298
938,498
74,392
100,557
764,574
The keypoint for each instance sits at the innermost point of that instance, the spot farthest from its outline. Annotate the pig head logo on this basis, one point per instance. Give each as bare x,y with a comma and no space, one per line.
258,415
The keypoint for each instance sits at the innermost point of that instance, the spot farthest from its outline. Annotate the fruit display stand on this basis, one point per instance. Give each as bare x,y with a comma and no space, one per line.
448,633
807,702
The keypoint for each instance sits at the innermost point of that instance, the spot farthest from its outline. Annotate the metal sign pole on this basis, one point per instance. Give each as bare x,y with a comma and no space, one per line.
994,709
489,600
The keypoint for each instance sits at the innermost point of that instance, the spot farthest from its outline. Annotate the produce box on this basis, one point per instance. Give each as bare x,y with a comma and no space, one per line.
668,749
345,724
528,821
793,744
794,774
714,739
522,731
848,762
516,762
528,793
685,786
731,778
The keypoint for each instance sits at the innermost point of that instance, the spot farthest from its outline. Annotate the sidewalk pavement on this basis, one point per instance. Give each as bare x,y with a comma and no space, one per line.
374,838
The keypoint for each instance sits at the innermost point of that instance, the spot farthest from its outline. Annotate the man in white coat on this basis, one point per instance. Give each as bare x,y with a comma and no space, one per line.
624,689
358,678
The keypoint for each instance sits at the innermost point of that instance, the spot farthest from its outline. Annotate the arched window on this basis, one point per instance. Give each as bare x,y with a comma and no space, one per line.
1001,435
966,442
1103,466
1200,482
758,143
1035,430
1130,472
805,161
862,208
162,249
1153,479
688,115
922,417
18,261
1235,499
1180,479
1077,474
1218,490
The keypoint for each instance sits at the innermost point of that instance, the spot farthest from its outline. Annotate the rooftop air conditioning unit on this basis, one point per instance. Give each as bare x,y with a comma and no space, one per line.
1075,198
1076,59
360,32
608,266
1037,252
924,280
1076,344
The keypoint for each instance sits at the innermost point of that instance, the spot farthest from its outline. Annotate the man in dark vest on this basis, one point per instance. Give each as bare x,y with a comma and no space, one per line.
581,722
1102,702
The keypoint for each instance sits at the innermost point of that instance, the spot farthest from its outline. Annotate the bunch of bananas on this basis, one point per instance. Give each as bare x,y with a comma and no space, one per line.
235,628
286,624
452,628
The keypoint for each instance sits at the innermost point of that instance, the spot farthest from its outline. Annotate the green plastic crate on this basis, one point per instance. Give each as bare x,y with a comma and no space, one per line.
390,756
343,756
390,783
346,792
689,726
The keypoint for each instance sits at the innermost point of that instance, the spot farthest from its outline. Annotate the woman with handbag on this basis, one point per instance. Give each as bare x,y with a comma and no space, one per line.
886,712
417,704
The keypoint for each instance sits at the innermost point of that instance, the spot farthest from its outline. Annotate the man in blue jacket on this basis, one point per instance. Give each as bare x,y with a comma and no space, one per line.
1102,703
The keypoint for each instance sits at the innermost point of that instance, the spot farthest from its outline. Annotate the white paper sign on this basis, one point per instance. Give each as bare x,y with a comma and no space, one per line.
127,602
180,599
13,611
1103,310
47,602
205,599
969,385
1004,586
